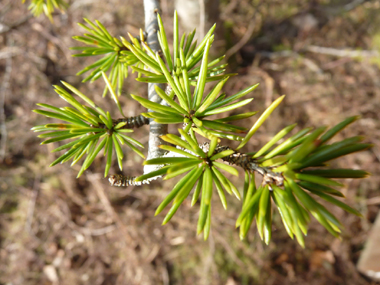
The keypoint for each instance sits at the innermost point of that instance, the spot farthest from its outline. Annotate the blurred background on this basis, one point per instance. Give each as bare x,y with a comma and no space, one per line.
56,229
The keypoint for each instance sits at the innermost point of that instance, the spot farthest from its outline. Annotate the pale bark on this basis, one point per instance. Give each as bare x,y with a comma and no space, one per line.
199,14
151,8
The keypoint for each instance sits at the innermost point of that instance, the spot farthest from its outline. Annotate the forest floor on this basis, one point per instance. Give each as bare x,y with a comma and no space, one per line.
56,229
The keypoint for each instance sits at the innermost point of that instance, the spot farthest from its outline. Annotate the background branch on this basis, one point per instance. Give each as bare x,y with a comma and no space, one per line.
3,91
349,52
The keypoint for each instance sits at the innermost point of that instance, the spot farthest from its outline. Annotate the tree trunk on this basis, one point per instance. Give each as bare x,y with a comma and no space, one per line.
200,14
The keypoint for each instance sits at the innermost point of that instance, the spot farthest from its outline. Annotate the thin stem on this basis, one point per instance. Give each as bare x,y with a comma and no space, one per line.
239,159
120,180
151,8
248,163
131,122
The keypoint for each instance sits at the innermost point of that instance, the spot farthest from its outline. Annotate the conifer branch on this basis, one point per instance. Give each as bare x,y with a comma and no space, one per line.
250,164
120,180
151,8
130,122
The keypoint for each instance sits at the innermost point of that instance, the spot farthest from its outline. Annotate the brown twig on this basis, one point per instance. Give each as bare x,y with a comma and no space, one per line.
243,40
7,28
56,41
95,181
228,249
32,203
342,52
247,36
3,91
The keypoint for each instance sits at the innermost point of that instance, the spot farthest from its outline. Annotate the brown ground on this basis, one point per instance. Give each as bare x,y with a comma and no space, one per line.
55,229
